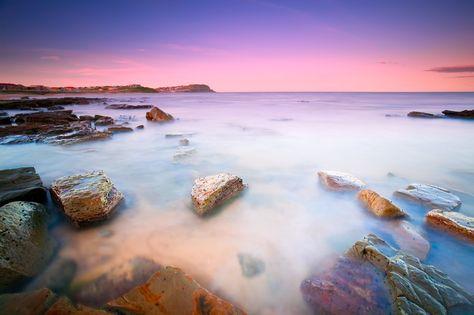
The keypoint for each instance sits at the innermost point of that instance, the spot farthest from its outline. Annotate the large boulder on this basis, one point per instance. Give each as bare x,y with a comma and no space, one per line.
156,114
469,114
25,247
171,291
379,205
208,192
340,181
86,197
21,184
431,195
453,221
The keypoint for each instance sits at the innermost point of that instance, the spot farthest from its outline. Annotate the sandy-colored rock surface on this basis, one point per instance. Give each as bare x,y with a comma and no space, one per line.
453,221
379,205
156,114
340,181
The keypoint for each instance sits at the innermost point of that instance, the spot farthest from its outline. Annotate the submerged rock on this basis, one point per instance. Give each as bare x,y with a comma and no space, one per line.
379,205
431,195
250,265
210,191
57,276
460,114
56,107
63,306
27,303
453,221
171,291
3,114
184,142
103,120
25,247
140,127
156,114
118,128
86,197
340,181
410,241
21,184
422,115
182,153
128,106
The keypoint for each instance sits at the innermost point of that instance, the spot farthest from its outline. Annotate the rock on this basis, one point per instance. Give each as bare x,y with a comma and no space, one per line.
56,107
127,106
431,195
179,135
351,286
410,241
140,127
86,197
156,114
57,276
459,114
57,117
250,265
86,118
29,303
115,282
21,184
5,121
208,192
171,291
453,221
379,205
47,102
25,247
182,153
63,306
414,287
184,142
103,120
340,181
422,115
76,132
3,114
118,128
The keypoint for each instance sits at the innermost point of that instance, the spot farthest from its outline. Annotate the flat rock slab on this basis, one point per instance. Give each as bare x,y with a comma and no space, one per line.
422,115
128,106
118,128
379,205
86,197
467,114
431,195
171,291
340,181
156,114
25,247
21,184
47,102
410,240
208,192
29,303
453,221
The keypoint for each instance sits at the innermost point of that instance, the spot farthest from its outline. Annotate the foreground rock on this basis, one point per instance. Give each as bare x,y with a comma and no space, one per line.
100,120
415,288
422,115
57,276
469,114
379,205
410,240
21,184
431,195
171,291
128,106
47,102
453,221
250,265
63,306
208,192
87,197
340,181
156,114
25,247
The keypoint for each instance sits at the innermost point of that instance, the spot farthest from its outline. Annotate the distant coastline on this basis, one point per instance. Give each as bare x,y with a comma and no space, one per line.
132,88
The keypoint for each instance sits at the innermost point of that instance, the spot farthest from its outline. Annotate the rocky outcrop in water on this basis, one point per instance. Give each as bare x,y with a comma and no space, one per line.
118,128
25,247
128,106
183,152
86,197
21,184
63,306
171,291
422,115
184,142
335,180
47,102
208,192
379,205
103,120
455,222
430,195
156,114
250,265
468,114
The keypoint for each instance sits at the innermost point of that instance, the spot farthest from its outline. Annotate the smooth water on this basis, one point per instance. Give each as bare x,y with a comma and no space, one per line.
276,142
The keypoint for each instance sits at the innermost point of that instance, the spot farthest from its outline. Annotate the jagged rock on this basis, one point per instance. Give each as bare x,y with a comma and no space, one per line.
128,106
63,306
210,191
460,114
21,184
103,120
182,153
422,115
86,197
47,102
171,291
410,241
454,221
156,114
184,142
431,195
115,282
340,181
57,276
57,117
118,128
28,303
379,205
251,266
25,247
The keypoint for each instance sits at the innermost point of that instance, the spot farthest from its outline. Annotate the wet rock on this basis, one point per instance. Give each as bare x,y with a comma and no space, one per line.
379,205
103,120
28,303
414,286
21,184
184,142
140,127
57,276
3,114
47,102
430,195
251,266
118,128
171,291
5,121
351,286
63,306
76,132
56,107
410,241
179,135
116,282
422,115
453,221
128,106
182,153
25,247
86,197
156,114
208,192
86,118
469,114
340,181
57,117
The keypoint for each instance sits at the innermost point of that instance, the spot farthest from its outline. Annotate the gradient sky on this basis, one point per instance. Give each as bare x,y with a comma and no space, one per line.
241,45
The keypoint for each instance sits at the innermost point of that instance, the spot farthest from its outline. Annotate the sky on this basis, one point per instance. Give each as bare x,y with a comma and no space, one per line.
241,45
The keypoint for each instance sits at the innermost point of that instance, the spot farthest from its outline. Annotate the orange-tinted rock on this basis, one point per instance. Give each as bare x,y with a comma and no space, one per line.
29,303
63,306
453,221
156,114
379,205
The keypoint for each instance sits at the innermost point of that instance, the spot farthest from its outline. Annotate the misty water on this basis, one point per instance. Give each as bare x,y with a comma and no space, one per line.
276,142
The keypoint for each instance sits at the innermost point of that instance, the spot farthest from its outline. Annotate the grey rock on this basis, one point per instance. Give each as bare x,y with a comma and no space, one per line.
21,184
250,265
431,195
